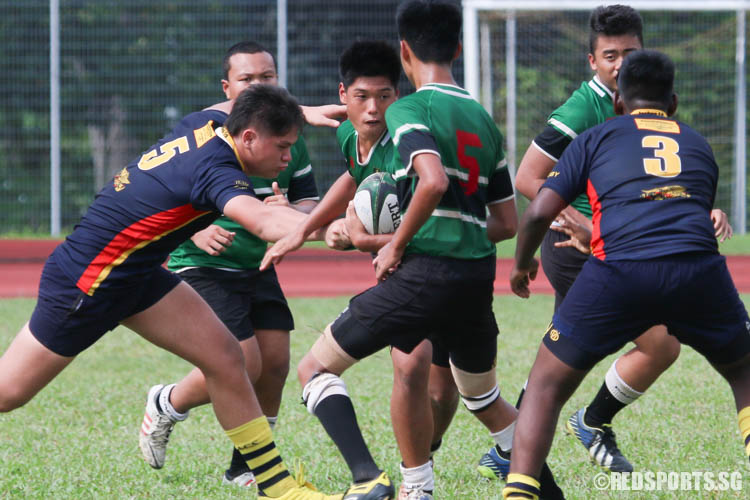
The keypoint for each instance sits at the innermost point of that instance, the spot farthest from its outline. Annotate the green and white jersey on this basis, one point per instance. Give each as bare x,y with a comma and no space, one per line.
378,160
446,121
296,181
590,105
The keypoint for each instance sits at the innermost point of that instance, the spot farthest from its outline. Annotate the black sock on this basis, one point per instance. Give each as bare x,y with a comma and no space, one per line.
435,446
603,408
520,397
548,488
238,465
156,400
336,413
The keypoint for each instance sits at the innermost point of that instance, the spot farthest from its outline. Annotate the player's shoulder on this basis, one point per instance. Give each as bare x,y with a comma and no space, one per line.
201,118
587,106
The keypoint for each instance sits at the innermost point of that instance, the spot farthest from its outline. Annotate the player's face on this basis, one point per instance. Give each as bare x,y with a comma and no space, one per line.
608,55
366,100
266,155
249,69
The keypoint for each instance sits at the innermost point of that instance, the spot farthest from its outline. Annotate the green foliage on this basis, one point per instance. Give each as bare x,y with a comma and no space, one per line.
78,437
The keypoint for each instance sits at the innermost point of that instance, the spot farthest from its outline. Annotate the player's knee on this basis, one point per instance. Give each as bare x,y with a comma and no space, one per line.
320,387
442,388
478,390
276,367
223,360
11,399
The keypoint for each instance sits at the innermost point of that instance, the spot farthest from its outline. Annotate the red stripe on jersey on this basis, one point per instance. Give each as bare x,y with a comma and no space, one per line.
132,238
597,244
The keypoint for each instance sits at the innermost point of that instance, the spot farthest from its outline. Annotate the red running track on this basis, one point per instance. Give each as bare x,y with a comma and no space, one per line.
306,273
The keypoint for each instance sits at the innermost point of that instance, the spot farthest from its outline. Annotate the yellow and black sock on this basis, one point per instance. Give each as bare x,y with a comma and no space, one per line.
521,486
255,442
743,418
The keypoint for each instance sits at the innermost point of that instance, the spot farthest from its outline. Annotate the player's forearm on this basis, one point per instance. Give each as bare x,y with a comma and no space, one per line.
371,242
332,205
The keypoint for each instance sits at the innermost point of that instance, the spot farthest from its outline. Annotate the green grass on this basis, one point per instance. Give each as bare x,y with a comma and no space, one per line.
78,437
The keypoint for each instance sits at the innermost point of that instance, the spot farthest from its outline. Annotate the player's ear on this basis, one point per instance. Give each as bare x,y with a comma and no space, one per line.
248,137
225,88
405,51
342,93
672,106
592,62
618,103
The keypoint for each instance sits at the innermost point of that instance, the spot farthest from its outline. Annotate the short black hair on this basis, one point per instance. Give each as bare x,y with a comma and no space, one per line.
267,107
432,28
243,48
646,77
614,20
369,58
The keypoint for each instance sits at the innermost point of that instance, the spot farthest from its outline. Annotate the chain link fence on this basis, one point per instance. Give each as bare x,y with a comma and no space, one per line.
130,70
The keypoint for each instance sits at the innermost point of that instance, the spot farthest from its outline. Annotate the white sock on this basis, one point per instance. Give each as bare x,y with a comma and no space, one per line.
504,437
167,407
421,477
618,388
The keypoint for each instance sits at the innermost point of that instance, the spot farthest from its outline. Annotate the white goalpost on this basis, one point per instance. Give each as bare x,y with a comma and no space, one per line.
478,68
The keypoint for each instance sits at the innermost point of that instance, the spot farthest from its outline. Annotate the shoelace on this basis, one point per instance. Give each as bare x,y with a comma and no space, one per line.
161,431
299,476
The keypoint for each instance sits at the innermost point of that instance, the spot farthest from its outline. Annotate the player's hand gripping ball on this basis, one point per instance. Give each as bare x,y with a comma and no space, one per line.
376,204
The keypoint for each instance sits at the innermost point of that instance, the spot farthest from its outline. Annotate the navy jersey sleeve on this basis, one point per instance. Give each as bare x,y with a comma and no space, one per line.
216,185
570,175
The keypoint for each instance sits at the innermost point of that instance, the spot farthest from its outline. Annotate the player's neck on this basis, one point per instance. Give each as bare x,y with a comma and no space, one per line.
425,73
365,145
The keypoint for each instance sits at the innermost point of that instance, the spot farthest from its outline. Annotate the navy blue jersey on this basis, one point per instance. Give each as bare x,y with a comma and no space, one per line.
178,186
651,182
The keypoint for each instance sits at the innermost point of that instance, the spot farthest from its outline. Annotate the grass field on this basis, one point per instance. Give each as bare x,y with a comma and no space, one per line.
78,437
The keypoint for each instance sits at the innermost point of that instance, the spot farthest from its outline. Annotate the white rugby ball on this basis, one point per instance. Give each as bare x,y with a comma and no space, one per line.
376,204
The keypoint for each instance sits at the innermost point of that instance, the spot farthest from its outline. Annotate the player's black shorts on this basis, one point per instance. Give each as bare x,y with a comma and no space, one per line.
561,265
67,321
245,301
447,299
612,303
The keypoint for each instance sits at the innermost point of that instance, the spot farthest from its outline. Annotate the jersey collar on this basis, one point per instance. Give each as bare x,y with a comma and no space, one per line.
224,135
382,140
648,111
601,89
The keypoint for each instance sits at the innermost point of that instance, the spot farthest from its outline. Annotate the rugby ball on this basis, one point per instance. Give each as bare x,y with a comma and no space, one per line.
376,203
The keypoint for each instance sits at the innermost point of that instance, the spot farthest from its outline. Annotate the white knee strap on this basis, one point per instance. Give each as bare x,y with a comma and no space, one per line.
478,390
320,387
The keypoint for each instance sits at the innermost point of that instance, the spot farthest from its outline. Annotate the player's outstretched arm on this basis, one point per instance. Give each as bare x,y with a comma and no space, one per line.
332,205
722,227
536,219
324,116
533,171
267,222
